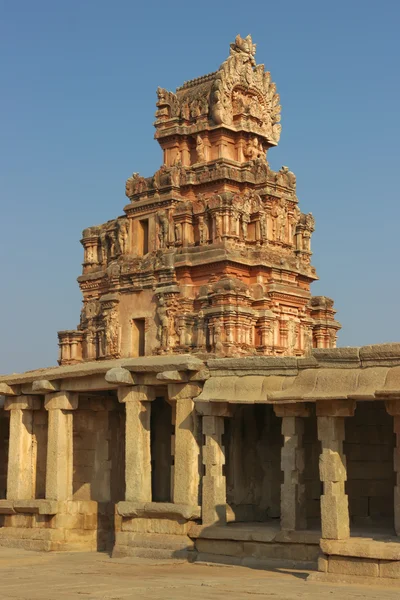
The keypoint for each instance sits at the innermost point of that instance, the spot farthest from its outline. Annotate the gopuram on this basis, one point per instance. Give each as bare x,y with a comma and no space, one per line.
201,408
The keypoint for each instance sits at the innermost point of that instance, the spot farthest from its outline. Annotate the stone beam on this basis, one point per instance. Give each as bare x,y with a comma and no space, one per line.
335,408
213,409
9,390
44,386
120,376
171,376
298,409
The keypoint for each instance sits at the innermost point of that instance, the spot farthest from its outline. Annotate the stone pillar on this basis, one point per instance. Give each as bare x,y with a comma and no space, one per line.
293,501
335,522
393,408
187,451
21,474
214,482
137,400
59,466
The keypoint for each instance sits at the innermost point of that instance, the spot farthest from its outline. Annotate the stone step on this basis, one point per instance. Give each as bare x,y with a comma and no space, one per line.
155,540
155,553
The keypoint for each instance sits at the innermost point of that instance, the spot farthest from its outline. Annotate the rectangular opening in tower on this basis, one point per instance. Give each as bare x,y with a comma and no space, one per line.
143,236
138,338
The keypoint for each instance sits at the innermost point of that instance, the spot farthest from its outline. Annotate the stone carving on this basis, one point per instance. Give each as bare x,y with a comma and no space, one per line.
286,178
200,149
218,345
263,226
167,103
122,236
111,334
239,72
279,214
178,233
163,229
163,327
136,184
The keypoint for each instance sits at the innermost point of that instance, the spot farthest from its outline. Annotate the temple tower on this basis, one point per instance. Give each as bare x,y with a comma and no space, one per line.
212,254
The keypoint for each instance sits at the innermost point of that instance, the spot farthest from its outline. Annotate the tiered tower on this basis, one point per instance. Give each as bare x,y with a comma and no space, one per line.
212,254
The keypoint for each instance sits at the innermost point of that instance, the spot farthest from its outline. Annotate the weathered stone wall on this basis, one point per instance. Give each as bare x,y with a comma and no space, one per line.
4,434
253,444
368,447
313,485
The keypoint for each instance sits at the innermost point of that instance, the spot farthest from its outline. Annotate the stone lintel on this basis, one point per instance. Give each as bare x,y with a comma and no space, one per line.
213,409
22,403
61,400
335,408
393,407
176,391
9,390
172,376
7,507
298,409
89,383
158,509
44,386
120,376
136,393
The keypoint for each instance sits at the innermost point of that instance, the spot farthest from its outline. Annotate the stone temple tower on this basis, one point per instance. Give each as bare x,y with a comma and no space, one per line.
212,253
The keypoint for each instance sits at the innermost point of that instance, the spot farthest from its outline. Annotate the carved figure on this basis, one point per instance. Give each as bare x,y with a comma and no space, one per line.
163,229
201,338
200,150
178,233
122,235
245,222
218,345
135,185
263,226
104,247
163,328
202,230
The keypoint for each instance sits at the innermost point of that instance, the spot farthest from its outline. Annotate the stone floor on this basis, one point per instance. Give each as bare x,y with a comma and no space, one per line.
60,576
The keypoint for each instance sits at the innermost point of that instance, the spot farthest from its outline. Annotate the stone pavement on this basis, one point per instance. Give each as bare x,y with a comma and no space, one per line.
28,575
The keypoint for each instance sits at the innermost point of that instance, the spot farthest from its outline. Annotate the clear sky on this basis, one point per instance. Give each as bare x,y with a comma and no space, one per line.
79,80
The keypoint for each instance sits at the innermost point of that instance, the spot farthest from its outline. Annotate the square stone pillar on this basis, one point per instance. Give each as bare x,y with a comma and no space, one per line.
59,466
293,500
393,408
335,521
214,482
137,400
21,474
187,451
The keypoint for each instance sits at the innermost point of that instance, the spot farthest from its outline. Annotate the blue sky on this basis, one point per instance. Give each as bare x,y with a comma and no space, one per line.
79,82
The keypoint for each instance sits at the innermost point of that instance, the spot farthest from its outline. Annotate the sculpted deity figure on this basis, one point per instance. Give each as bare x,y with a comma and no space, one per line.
111,334
200,149
202,230
293,220
245,223
111,242
163,229
201,338
286,178
163,327
263,226
178,233
122,235
218,345
178,158
218,226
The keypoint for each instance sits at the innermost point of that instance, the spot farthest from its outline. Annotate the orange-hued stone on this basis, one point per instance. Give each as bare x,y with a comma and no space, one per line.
212,254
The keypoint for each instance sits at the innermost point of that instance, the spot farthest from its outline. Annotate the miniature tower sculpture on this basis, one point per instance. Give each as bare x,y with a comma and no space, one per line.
212,254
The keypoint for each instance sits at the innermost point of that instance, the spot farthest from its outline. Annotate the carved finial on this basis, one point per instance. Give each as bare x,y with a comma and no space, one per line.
244,45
